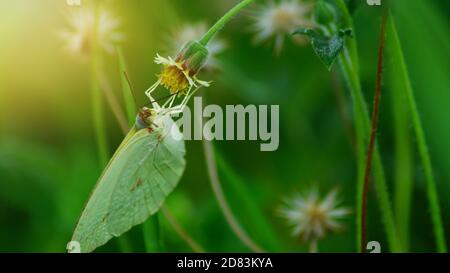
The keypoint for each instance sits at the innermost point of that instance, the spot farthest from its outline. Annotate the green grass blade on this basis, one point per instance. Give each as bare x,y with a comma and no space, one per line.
404,161
130,104
97,98
433,199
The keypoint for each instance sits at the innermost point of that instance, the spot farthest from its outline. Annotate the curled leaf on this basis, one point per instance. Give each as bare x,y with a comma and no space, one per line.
326,48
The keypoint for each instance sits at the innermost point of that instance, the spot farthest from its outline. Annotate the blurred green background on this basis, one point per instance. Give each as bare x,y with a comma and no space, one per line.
48,155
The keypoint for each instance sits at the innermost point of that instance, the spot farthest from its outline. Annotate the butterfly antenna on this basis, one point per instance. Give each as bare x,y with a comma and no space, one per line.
163,98
133,93
131,87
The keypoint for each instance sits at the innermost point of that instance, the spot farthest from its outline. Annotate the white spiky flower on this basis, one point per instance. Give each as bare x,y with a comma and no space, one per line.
179,75
312,217
193,32
176,76
276,20
79,37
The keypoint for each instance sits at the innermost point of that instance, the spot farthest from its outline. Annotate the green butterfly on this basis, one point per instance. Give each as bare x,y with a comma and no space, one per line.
144,170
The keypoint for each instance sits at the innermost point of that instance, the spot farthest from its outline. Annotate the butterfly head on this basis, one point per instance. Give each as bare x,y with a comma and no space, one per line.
145,118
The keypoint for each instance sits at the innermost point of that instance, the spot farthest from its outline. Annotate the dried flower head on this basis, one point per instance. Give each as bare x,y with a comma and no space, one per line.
193,32
312,217
278,19
79,37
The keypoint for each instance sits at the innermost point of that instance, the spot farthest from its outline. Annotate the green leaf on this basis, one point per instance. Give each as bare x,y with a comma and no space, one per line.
144,171
326,48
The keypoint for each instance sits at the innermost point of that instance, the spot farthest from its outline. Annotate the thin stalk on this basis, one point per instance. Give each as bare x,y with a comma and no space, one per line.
362,124
97,100
348,61
433,198
248,205
152,232
223,21
127,92
181,232
373,130
114,104
220,197
209,150
359,111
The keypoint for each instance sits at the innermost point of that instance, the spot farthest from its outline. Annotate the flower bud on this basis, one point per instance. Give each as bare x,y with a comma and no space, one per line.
193,57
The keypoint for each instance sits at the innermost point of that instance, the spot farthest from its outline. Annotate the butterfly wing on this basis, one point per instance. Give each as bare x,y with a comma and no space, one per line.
144,171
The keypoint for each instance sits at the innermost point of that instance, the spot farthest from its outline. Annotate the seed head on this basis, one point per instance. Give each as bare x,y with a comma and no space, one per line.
79,37
279,19
311,217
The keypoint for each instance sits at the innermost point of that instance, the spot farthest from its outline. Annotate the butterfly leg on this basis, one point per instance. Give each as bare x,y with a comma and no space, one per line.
169,101
179,108
149,92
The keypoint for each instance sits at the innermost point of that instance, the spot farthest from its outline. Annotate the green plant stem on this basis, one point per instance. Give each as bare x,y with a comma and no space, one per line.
97,99
348,61
99,119
433,198
152,232
223,21
250,208
181,232
218,192
113,103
